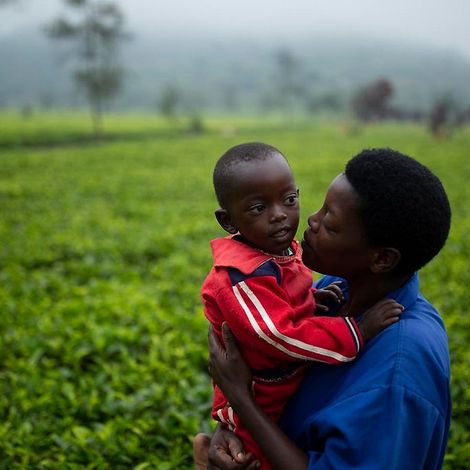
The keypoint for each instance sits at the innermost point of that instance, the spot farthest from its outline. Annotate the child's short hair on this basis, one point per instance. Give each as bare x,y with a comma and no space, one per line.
402,204
225,168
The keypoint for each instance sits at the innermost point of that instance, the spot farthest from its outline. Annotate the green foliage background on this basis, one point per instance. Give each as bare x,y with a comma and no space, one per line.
103,251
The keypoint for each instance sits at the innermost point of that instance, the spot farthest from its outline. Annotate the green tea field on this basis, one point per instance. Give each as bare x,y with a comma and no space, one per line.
103,248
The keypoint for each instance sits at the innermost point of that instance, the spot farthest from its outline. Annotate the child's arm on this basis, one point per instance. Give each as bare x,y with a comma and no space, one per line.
260,314
373,321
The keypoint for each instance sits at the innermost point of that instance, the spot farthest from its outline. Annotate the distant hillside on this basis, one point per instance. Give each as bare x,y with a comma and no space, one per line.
237,74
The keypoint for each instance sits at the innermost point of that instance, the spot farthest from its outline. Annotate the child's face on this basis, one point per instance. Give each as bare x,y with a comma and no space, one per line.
264,207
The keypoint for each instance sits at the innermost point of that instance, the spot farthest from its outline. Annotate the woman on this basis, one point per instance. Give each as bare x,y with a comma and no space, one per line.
383,219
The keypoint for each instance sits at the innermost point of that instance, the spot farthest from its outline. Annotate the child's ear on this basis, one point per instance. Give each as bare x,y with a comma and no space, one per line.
385,259
224,220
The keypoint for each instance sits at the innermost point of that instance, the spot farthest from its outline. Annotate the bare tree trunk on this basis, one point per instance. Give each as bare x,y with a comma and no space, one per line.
96,116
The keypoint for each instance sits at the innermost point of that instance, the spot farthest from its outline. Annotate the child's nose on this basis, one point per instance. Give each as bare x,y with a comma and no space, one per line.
278,214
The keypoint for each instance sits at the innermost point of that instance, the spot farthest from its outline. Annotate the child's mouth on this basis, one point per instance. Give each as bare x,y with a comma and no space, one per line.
281,233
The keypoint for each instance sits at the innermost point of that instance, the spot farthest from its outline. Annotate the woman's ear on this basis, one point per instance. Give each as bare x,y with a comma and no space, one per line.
224,220
384,260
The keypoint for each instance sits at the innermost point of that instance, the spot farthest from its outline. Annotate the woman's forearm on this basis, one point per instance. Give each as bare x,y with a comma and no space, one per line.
281,452
231,373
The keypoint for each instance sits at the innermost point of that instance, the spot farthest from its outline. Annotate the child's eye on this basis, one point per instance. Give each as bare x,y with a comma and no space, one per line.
291,199
256,209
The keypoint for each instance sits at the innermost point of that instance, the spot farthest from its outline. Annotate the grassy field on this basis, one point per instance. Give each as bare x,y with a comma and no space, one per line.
103,250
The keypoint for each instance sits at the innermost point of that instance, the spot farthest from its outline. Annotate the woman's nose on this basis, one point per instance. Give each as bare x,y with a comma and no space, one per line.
313,222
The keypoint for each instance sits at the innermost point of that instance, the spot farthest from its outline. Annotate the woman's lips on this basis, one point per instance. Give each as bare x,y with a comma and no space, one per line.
304,243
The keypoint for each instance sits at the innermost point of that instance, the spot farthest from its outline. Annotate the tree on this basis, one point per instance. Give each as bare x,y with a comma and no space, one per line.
169,101
442,117
289,86
371,102
96,35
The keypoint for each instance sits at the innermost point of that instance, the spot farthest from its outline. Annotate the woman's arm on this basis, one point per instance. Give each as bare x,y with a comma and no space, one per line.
232,375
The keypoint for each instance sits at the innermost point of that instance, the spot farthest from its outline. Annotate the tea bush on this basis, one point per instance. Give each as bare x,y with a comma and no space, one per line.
103,251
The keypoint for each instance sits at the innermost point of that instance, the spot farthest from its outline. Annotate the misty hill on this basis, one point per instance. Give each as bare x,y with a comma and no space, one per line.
237,74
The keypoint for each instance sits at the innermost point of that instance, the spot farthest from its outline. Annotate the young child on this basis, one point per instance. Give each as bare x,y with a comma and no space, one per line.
259,286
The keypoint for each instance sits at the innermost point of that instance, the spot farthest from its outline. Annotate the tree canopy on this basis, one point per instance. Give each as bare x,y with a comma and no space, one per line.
96,30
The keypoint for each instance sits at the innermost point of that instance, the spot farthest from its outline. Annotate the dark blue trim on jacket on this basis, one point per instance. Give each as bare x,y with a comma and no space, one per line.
268,268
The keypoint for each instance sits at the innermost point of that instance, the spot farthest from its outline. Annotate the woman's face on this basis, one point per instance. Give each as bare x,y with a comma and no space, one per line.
333,242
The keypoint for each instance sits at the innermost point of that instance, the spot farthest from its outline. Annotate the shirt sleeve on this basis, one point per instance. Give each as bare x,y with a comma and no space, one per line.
259,311
387,427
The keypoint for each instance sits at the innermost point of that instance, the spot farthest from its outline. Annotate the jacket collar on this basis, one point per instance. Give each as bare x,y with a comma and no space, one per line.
231,252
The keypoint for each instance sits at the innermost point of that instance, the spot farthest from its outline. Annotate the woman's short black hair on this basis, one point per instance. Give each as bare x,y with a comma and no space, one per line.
402,204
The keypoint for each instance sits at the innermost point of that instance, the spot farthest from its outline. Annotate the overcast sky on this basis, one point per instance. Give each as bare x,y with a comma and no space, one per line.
442,23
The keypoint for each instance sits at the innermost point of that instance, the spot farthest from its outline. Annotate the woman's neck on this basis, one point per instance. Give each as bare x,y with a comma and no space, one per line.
366,292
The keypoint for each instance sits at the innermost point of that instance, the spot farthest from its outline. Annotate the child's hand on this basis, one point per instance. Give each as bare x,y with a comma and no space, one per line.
329,294
382,314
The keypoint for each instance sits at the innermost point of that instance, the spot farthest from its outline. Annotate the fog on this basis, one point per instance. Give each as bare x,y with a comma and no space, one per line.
438,23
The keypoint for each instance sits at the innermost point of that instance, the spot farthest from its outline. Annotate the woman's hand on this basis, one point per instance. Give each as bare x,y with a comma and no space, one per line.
231,373
228,368
226,452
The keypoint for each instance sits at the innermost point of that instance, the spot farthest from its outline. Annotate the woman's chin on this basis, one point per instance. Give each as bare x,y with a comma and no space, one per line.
308,254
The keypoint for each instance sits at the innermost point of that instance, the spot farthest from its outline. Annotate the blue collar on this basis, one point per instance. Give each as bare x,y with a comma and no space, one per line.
405,295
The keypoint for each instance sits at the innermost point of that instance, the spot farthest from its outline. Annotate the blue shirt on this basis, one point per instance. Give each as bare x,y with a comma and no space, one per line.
390,408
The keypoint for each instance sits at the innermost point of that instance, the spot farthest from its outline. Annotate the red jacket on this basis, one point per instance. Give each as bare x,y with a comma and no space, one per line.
268,304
